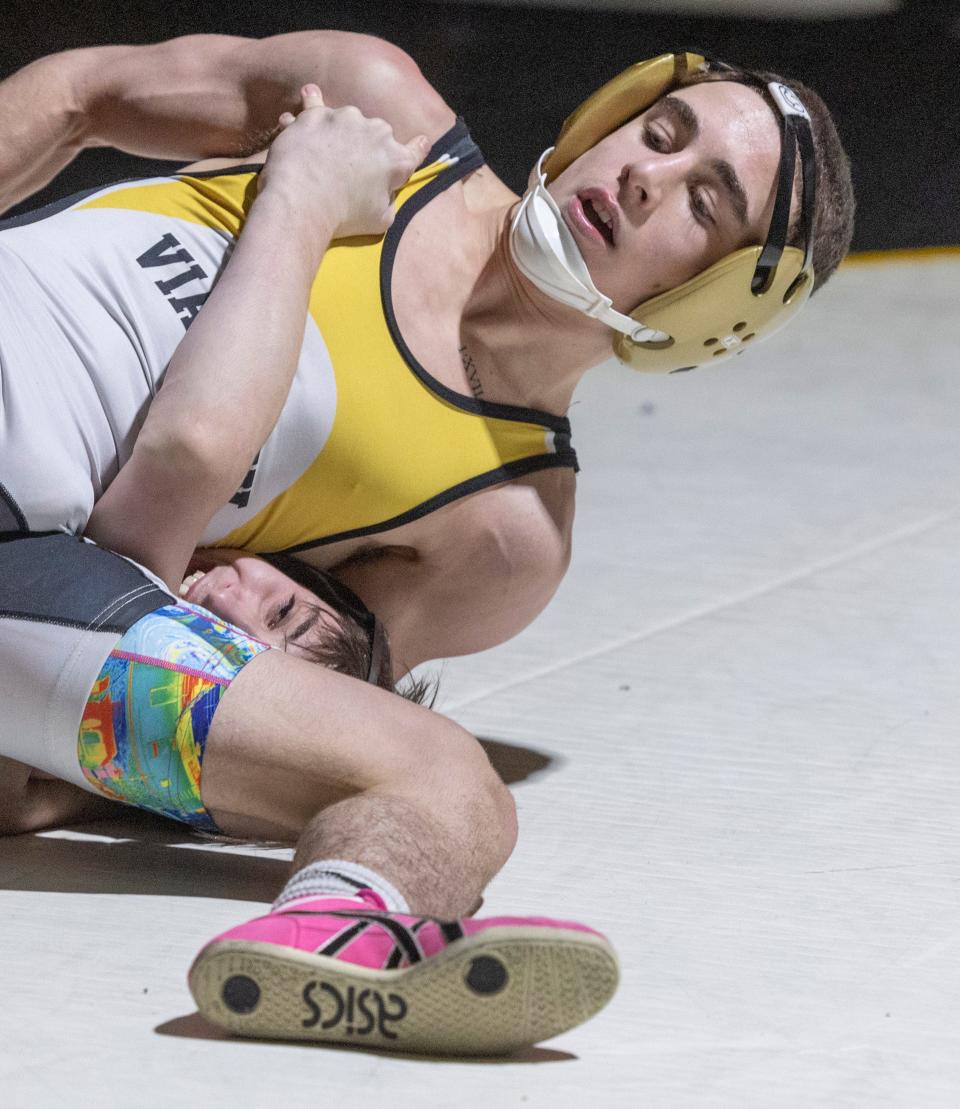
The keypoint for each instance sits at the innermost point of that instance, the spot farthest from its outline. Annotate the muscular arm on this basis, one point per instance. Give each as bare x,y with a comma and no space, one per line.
197,96
488,571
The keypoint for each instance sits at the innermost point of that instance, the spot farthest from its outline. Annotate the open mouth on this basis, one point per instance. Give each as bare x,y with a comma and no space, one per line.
190,581
601,224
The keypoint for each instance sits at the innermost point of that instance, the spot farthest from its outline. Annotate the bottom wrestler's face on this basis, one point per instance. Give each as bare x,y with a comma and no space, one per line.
257,597
674,190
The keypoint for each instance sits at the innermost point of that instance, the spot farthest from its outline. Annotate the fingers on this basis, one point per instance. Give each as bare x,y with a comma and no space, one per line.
418,149
411,155
350,160
311,97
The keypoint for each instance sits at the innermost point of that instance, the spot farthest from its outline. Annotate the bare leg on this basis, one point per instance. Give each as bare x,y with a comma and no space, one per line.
392,804
358,774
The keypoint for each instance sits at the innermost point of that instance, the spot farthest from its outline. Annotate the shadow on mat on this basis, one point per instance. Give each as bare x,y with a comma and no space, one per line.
138,854
518,764
194,1027
143,854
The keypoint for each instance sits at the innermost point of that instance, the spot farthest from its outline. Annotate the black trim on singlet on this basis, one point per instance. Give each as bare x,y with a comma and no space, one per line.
224,171
501,474
55,206
10,511
60,579
457,142
65,202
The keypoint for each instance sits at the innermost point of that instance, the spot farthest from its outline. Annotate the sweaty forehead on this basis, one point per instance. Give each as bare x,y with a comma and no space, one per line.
732,115
734,126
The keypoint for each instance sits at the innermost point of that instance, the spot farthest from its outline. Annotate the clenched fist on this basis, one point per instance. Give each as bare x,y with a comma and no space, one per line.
337,169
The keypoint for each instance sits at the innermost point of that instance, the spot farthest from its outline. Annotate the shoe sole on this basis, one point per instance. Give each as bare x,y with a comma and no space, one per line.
487,994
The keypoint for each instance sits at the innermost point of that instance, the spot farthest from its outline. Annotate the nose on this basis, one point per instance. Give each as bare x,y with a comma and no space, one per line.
646,180
227,593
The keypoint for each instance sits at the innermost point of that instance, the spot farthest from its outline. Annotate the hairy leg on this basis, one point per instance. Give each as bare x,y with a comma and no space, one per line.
299,752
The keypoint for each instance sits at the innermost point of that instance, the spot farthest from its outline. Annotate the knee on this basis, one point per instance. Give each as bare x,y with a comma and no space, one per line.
503,810
466,792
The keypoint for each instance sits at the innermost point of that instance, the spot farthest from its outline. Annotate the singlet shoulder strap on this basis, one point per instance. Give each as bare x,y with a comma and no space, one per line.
459,147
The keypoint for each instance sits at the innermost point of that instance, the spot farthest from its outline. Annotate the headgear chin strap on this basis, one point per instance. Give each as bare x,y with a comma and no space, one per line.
546,253
745,296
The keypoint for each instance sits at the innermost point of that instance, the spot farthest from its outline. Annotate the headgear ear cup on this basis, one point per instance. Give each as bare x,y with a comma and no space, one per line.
715,315
722,310
616,103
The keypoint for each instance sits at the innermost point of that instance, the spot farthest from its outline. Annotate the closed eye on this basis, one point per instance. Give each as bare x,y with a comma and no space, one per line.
282,612
656,140
699,205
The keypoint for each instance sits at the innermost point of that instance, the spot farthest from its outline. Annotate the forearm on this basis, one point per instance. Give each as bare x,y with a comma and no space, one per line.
206,95
221,396
183,99
41,125
228,379
51,803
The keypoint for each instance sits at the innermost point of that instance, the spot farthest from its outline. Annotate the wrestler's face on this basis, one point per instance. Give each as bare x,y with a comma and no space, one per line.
685,183
257,597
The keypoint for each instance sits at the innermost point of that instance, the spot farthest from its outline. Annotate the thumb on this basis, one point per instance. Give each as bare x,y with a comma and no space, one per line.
418,149
311,96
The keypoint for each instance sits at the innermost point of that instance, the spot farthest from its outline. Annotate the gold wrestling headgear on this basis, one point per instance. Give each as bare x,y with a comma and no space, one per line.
739,300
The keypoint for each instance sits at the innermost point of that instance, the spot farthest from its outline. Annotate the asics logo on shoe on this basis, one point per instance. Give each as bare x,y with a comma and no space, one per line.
362,1012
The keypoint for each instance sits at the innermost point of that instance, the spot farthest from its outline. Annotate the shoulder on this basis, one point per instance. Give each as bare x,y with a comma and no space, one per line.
379,78
368,73
518,533
532,516
500,556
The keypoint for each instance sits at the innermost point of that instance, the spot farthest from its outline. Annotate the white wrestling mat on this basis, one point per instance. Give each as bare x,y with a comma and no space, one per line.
735,734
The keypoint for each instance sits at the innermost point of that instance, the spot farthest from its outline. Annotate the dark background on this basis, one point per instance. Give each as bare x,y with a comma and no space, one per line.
514,73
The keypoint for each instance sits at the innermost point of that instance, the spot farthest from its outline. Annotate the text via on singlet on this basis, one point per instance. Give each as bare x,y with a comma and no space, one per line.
169,251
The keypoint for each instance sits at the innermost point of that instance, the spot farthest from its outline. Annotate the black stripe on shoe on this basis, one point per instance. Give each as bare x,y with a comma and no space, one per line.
341,939
396,958
400,933
451,929
396,955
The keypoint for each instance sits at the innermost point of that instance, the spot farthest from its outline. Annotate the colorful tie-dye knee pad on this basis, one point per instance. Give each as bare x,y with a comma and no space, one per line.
145,724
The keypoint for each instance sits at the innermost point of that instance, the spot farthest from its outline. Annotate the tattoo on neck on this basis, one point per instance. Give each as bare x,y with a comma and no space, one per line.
473,375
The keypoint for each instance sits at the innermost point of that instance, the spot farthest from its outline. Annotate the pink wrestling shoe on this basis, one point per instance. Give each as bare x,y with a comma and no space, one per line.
351,972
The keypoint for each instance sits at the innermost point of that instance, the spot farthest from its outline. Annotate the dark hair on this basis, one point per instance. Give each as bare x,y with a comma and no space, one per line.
356,643
344,645
835,205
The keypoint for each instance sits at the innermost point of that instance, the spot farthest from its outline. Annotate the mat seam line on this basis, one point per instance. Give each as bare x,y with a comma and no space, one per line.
908,531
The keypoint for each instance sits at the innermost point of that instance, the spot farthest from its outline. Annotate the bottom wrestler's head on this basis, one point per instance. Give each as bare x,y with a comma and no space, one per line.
297,608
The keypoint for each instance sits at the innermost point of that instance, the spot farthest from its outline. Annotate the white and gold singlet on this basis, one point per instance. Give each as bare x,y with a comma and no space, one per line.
96,292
